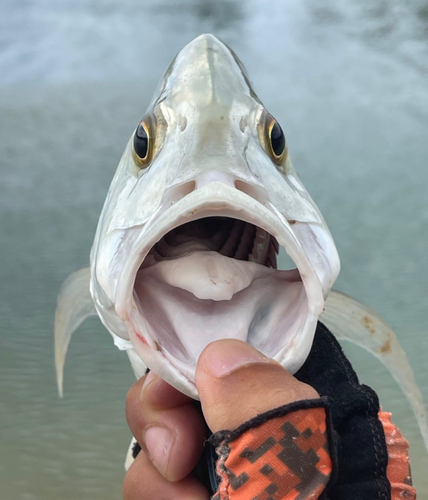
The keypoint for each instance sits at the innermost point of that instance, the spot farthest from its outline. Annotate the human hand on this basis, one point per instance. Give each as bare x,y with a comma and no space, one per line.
235,384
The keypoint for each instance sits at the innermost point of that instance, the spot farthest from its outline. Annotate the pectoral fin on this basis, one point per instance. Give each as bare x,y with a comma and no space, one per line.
350,320
74,305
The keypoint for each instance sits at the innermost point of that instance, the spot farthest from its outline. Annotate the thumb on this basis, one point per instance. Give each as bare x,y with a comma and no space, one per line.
236,382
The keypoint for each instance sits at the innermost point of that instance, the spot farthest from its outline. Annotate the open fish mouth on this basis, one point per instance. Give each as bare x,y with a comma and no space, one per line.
204,269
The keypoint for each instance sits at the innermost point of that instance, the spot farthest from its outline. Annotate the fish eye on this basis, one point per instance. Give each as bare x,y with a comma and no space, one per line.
272,139
143,142
277,139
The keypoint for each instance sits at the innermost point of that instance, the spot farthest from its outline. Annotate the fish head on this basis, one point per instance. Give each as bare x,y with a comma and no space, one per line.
204,196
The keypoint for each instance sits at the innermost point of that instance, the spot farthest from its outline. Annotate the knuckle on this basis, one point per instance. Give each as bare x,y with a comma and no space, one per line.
130,486
133,488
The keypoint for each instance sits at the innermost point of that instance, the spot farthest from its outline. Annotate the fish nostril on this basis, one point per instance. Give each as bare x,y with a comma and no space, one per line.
178,192
187,188
256,192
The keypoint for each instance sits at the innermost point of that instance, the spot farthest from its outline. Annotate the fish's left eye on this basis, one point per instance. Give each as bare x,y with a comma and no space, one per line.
141,142
276,141
272,139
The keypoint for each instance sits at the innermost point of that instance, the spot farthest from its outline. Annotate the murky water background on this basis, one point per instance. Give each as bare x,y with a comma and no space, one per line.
346,79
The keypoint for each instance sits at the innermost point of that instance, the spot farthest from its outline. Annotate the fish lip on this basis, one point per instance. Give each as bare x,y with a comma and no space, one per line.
219,199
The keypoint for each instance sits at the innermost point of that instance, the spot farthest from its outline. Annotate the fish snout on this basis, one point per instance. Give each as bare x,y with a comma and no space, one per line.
179,191
251,189
215,176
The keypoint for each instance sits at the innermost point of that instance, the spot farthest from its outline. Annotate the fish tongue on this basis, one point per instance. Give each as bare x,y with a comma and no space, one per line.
206,274
183,304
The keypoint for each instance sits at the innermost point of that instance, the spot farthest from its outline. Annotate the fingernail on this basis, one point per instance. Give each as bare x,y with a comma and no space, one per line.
159,441
224,357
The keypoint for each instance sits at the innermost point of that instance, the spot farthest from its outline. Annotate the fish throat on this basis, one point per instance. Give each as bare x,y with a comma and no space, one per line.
212,278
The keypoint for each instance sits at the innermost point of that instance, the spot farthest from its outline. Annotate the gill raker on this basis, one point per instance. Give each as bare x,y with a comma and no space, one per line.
185,251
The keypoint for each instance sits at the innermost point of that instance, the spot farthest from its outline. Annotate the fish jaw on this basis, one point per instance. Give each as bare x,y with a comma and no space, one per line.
191,331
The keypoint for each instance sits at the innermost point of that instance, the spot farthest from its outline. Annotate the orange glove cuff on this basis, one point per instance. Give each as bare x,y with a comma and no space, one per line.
282,454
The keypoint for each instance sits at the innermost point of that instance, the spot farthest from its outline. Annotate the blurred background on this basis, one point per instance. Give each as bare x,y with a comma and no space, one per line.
348,82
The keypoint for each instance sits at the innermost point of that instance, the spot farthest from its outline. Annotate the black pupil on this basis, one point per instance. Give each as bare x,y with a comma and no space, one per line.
141,142
277,139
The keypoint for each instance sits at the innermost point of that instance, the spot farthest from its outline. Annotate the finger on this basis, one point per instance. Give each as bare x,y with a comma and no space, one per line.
166,425
144,482
236,382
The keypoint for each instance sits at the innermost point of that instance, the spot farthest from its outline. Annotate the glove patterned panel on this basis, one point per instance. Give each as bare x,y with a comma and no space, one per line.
286,457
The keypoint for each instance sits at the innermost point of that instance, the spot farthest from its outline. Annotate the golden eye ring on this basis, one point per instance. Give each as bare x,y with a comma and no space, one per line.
272,139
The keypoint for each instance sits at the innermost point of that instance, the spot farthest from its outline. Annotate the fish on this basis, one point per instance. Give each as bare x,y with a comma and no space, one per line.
204,198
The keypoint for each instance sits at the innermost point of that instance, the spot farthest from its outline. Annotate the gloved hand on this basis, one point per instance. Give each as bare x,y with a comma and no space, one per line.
263,454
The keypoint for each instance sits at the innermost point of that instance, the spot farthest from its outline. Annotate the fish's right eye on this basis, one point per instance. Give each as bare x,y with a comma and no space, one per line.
143,142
